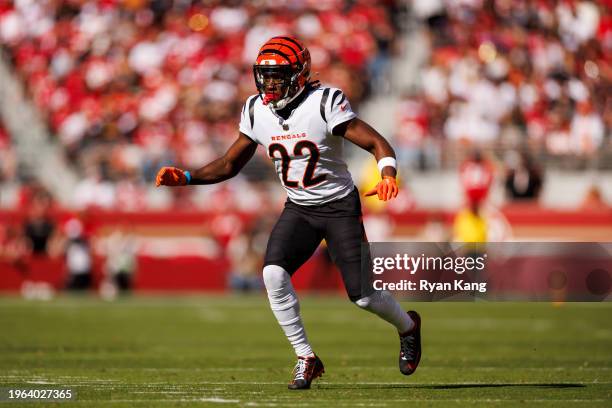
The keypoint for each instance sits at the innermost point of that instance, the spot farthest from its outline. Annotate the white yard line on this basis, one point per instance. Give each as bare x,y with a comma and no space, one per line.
338,367
361,368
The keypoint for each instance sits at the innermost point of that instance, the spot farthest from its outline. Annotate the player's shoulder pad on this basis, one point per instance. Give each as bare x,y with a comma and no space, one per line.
337,97
249,106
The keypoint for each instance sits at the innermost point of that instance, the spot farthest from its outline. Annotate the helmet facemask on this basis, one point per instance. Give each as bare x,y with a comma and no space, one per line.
278,84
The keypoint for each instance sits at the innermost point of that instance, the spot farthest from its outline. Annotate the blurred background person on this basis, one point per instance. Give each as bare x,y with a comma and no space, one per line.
469,226
476,175
121,261
523,178
78,256
594,200
39,225
14,248
245,263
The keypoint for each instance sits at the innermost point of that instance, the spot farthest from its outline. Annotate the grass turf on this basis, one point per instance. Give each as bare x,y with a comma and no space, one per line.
229,351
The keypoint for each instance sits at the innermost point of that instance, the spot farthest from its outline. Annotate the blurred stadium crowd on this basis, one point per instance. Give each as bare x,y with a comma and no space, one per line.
509,74
129,86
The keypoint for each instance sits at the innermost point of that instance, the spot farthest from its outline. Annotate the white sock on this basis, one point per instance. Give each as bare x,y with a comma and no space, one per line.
384,305
286,308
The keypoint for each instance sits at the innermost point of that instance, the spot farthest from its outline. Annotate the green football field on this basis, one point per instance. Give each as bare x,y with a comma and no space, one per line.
229,351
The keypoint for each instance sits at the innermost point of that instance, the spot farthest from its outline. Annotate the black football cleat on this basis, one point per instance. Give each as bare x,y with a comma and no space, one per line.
306,370
410,346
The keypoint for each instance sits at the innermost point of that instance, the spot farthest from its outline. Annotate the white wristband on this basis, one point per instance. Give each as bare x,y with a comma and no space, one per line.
386,161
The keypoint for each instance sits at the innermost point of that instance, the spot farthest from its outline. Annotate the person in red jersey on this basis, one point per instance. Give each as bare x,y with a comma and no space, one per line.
476,177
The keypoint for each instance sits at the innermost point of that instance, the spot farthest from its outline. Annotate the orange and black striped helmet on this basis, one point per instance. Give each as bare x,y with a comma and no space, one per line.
282,70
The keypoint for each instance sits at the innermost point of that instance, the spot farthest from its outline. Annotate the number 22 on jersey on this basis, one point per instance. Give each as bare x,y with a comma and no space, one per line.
308,179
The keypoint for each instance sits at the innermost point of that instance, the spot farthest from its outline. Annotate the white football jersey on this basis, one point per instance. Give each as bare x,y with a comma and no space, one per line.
306,156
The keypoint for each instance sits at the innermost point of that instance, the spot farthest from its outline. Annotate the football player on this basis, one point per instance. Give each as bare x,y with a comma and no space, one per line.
303,125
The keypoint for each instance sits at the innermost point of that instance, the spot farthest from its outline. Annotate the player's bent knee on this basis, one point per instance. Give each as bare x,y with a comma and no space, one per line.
275,277
370,302
364,302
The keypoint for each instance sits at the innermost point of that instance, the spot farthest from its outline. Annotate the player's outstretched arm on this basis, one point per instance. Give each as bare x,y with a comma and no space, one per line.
366,137
221,169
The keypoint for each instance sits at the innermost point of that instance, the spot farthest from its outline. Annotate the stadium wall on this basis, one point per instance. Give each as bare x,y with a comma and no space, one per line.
176,251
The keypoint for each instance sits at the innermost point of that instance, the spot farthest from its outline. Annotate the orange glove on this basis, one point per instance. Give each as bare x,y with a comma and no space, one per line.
386,189
170,176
